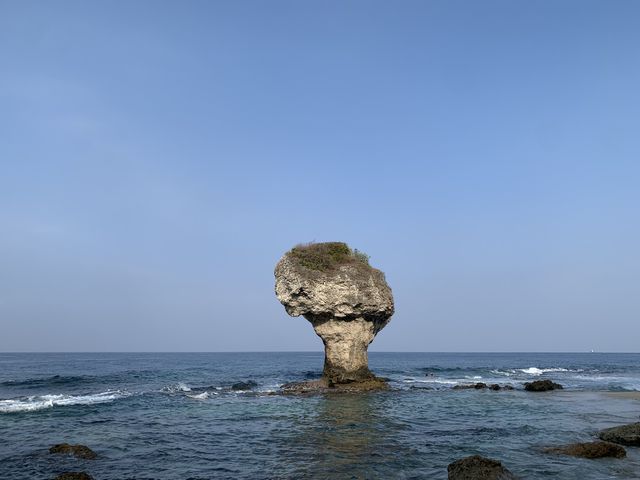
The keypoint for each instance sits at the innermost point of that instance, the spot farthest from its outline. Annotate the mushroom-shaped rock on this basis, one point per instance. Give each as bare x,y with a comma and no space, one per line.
346,300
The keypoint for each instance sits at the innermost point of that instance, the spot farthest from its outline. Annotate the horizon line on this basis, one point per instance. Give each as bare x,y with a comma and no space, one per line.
309,351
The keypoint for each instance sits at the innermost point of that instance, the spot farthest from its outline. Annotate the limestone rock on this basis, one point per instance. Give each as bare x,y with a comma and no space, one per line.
590,450
80,451
624,434
541,386
478,468
346,300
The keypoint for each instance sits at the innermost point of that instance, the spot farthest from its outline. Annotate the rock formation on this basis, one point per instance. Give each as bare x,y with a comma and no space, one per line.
476,468
346,300
542,386
624,434
74,476
590,450
80,451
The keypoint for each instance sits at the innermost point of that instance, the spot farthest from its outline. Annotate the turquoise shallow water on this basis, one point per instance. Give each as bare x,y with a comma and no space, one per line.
176,416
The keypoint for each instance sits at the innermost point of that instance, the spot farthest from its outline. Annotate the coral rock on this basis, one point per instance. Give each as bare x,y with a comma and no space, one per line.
346,301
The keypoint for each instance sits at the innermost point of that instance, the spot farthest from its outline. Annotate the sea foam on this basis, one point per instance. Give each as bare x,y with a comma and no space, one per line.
540,371
41,402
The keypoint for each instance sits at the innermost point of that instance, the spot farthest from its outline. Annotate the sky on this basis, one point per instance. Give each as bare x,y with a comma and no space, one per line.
157,158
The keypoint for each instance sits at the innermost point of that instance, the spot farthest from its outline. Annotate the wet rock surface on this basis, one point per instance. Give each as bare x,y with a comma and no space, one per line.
79,451
478,468
346,301
74,476
542,386
590,450
624,434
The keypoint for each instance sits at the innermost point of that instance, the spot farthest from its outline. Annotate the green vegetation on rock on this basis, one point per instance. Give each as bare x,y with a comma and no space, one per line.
326,256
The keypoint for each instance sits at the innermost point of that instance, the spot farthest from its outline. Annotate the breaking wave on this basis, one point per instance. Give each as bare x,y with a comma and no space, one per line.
41,402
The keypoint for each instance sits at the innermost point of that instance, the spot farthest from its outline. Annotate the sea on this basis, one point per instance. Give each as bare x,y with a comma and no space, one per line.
220,415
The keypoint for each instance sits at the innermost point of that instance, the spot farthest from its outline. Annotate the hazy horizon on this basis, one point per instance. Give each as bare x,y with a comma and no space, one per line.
158,158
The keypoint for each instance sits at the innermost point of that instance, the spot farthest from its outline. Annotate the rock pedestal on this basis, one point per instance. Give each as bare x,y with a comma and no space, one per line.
346,300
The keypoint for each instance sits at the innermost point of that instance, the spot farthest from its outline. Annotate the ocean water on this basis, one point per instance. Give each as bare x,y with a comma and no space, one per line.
177,416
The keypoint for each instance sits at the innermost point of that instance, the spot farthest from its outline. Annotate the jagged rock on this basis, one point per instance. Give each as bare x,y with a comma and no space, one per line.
346,300
80,451
74,476
590,450
624,434
248,385
541,386
478,468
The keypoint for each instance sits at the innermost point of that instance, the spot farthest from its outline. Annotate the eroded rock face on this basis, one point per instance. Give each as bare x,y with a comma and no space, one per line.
347,301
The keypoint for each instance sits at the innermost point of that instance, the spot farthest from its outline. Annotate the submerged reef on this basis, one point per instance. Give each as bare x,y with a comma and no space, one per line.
346,301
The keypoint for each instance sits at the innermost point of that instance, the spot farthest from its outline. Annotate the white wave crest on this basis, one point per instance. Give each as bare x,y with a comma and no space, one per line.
431,380
31,404
200,396
180,387
540,371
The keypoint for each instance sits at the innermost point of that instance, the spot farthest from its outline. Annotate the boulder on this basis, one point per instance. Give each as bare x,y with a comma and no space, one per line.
624,434
74,476
541,386
590,450
79,451
478,468
346,301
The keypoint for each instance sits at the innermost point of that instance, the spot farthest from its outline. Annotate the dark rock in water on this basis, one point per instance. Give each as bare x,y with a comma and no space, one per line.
244,385
478,468
496,387
482,386
466,386
541,386
624,434
79,451
74,476
590,450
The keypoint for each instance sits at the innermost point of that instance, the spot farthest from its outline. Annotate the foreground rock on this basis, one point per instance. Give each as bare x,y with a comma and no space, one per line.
478,468
624,435
590,450
74,476
541,386
346,301
79,451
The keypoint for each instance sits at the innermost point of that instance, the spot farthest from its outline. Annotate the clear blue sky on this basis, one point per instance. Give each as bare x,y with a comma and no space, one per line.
157,158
